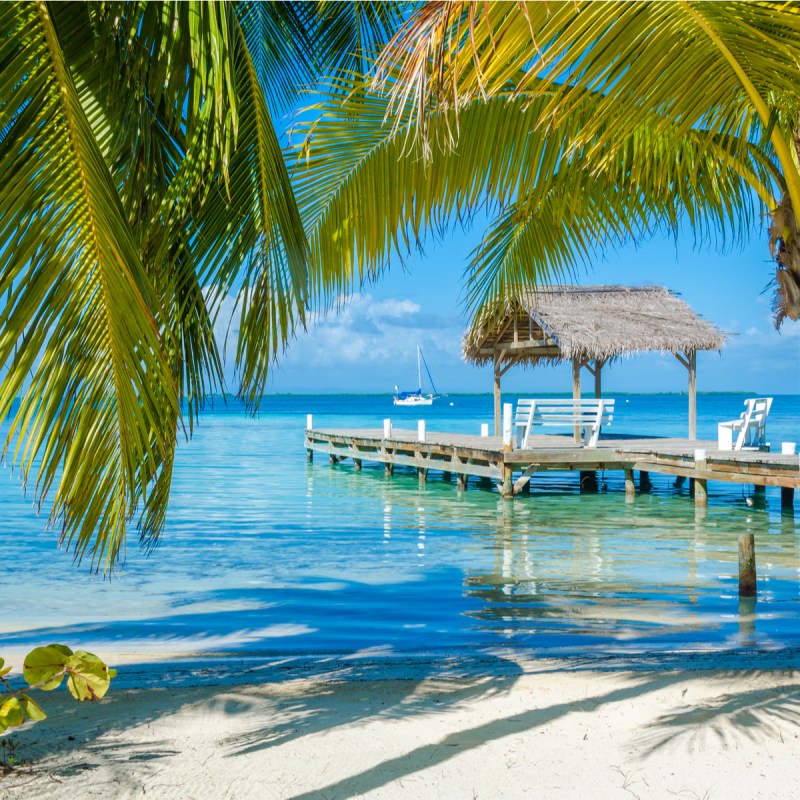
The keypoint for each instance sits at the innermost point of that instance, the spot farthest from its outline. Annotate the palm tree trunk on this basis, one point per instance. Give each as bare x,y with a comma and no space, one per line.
784,242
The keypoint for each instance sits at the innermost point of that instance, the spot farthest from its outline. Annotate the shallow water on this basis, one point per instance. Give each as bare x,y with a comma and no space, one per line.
266,553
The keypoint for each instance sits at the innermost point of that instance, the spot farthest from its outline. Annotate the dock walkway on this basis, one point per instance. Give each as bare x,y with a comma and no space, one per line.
465,455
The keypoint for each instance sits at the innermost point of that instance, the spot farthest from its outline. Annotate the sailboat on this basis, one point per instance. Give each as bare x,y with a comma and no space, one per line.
416,398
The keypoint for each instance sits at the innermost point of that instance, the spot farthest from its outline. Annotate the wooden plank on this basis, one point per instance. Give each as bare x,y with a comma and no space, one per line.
484,456
483,470
521,482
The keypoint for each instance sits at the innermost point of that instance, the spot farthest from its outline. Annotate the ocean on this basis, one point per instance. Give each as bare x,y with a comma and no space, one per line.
265,553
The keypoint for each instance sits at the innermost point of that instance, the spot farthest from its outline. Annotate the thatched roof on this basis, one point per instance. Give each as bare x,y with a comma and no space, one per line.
589,322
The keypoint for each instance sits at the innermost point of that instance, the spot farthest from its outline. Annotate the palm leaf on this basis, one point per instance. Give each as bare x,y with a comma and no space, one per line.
80,326
354,160
716,66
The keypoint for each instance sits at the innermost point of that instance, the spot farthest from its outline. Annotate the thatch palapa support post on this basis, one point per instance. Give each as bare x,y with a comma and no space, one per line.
689,360
576,393
497,397
499,371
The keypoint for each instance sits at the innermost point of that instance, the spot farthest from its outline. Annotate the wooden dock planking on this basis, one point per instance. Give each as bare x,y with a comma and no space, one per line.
484,457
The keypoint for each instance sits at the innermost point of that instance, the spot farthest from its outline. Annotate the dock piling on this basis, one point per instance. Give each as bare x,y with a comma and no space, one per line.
700,492
630,485
787,497
747,565
507,488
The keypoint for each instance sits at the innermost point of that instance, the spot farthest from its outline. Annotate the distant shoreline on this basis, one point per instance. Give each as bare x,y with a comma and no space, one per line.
511,393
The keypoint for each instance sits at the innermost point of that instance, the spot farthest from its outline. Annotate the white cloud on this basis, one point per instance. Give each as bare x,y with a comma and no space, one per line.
367,331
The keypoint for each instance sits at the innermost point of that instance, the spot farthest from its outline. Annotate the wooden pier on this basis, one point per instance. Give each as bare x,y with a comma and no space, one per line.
465,456
511,470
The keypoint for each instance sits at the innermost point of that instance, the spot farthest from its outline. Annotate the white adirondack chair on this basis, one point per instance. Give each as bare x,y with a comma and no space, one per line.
750,430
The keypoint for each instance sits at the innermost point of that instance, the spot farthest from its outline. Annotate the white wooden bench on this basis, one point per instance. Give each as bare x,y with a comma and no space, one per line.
750,428
587,414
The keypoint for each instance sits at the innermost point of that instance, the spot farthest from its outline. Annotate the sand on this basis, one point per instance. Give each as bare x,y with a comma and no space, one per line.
482,726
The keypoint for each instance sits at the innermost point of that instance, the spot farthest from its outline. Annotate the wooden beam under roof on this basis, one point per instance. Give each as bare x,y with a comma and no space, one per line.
524,347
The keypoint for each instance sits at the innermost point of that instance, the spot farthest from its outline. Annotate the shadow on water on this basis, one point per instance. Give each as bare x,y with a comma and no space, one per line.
414,566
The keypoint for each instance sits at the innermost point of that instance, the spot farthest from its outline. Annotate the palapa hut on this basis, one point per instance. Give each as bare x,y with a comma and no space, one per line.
589,326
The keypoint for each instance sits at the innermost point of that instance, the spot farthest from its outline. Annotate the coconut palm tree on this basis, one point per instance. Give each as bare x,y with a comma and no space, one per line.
579,124
141,182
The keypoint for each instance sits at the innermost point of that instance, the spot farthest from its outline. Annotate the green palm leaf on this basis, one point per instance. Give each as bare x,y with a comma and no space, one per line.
729,68
555,193
80,325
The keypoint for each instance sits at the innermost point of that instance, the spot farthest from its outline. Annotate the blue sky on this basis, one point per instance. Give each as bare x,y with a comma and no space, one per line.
370,344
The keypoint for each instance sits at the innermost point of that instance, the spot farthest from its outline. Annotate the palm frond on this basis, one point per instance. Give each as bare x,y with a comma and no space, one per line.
354,160
81,324
248,235
716,66
569,216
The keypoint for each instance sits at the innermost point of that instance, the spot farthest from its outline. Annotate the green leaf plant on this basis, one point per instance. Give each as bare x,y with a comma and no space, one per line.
44,669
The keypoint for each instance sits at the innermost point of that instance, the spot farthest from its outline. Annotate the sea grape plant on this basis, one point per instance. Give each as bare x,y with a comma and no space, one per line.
88,678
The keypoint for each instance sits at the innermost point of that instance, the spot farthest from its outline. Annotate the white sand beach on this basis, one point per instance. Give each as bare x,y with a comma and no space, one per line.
682,726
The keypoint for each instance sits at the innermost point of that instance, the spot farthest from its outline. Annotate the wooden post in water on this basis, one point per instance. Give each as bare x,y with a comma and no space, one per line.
787,497
309,426
747,565
644,481
507,490
357,464
700,492
630,485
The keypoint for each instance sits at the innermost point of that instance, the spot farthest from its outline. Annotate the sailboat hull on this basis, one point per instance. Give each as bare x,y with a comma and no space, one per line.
415,400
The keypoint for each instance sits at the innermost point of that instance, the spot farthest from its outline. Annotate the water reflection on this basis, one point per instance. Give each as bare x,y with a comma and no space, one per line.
567,567
260,543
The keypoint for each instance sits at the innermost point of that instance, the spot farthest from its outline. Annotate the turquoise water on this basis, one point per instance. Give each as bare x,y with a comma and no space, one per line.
266,553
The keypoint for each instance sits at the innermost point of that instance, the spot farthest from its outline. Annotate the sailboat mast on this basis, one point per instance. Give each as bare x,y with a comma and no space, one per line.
419,370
